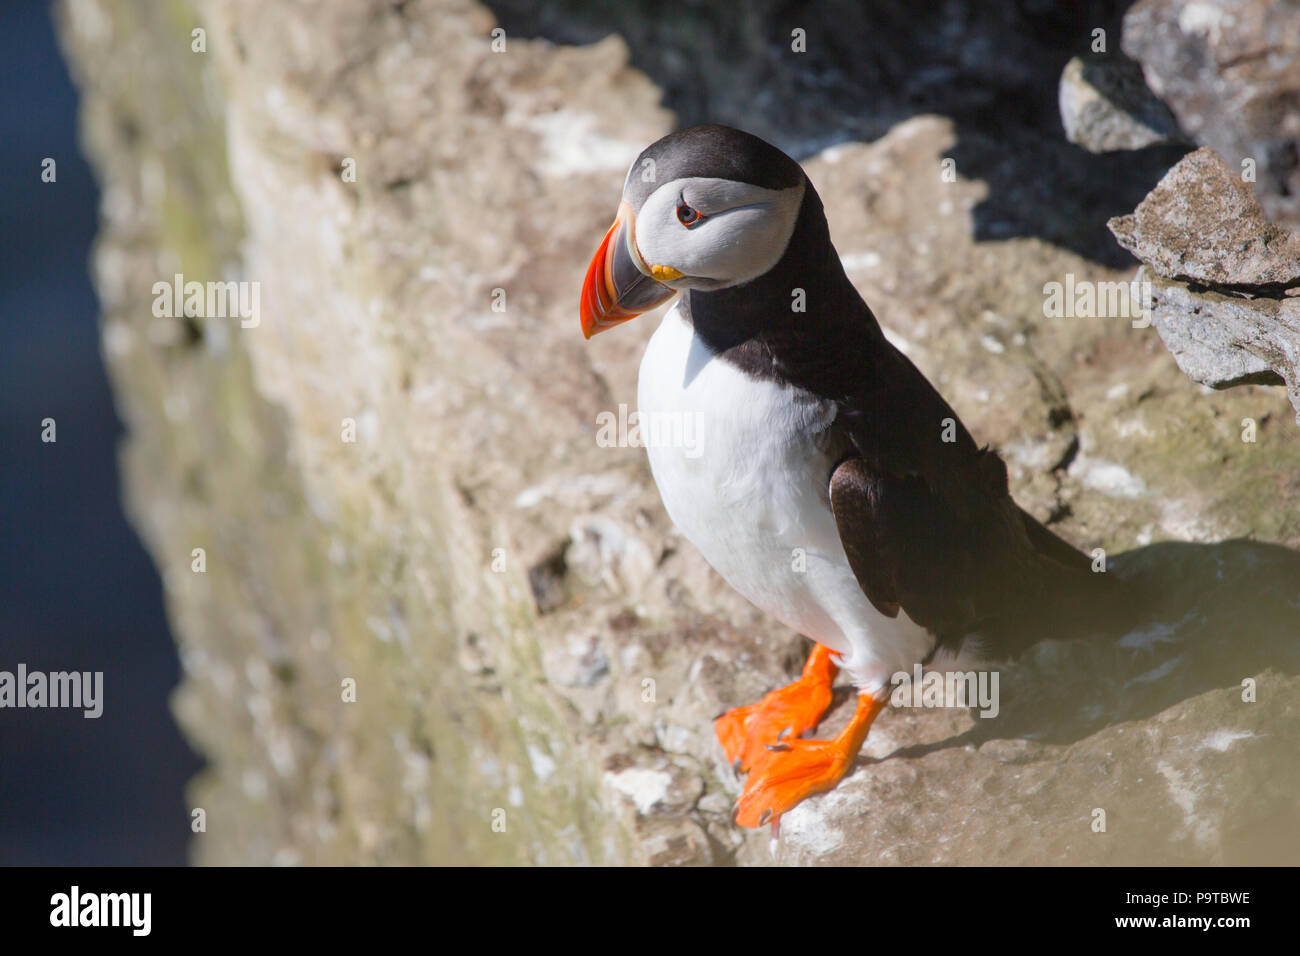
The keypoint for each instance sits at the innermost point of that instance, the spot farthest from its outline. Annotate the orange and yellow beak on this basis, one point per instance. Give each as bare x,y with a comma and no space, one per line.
615,289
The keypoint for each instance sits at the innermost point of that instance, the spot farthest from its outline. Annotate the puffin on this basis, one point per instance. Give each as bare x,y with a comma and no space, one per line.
831,485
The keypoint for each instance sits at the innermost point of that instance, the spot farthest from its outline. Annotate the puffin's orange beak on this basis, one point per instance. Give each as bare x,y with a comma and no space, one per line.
616,290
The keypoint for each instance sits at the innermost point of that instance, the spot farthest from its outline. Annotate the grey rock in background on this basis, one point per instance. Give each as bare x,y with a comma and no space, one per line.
1227,340
1230,71
1225,295
1106,105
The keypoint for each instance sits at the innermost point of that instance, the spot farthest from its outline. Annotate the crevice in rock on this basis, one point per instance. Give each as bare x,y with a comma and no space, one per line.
547,580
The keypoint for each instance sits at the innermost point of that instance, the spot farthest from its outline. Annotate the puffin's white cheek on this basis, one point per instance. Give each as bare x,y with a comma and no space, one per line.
742,245
734,246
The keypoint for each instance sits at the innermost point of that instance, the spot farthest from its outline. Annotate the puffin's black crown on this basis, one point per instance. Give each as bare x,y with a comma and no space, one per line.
713,151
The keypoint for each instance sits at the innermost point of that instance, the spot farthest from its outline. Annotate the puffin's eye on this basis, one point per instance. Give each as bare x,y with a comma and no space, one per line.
686,215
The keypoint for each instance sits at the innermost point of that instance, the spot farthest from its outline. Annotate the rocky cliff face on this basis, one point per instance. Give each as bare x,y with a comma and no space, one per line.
1217,236
438,621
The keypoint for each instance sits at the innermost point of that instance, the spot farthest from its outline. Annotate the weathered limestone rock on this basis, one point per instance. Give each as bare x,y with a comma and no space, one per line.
1230,71
1202,224
537,656
1225,296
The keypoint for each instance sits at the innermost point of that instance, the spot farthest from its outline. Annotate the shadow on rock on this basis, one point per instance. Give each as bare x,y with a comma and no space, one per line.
1212,617
994,69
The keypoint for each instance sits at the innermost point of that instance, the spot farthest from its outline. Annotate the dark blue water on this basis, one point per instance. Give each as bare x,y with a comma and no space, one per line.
77,590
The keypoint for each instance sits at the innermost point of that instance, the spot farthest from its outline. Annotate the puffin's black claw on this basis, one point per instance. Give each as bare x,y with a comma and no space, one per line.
782,734
777,747
767,815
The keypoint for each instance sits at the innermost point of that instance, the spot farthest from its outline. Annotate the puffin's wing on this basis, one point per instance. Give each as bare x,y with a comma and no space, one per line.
926,518
953,570
907,547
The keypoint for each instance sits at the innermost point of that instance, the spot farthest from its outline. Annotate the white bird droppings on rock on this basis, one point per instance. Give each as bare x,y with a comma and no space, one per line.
1221,740
1107,477
643,787
543,764
571,146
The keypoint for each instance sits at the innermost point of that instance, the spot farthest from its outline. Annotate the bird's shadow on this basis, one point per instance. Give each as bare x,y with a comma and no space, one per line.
1214,616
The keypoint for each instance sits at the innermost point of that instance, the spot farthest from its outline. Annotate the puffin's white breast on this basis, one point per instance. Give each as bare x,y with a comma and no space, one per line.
750,491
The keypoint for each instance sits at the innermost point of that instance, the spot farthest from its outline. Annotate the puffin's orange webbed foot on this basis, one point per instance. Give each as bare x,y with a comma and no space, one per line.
789,772
784,714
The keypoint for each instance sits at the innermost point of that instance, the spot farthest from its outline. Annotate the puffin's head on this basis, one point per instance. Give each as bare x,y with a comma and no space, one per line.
704,208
